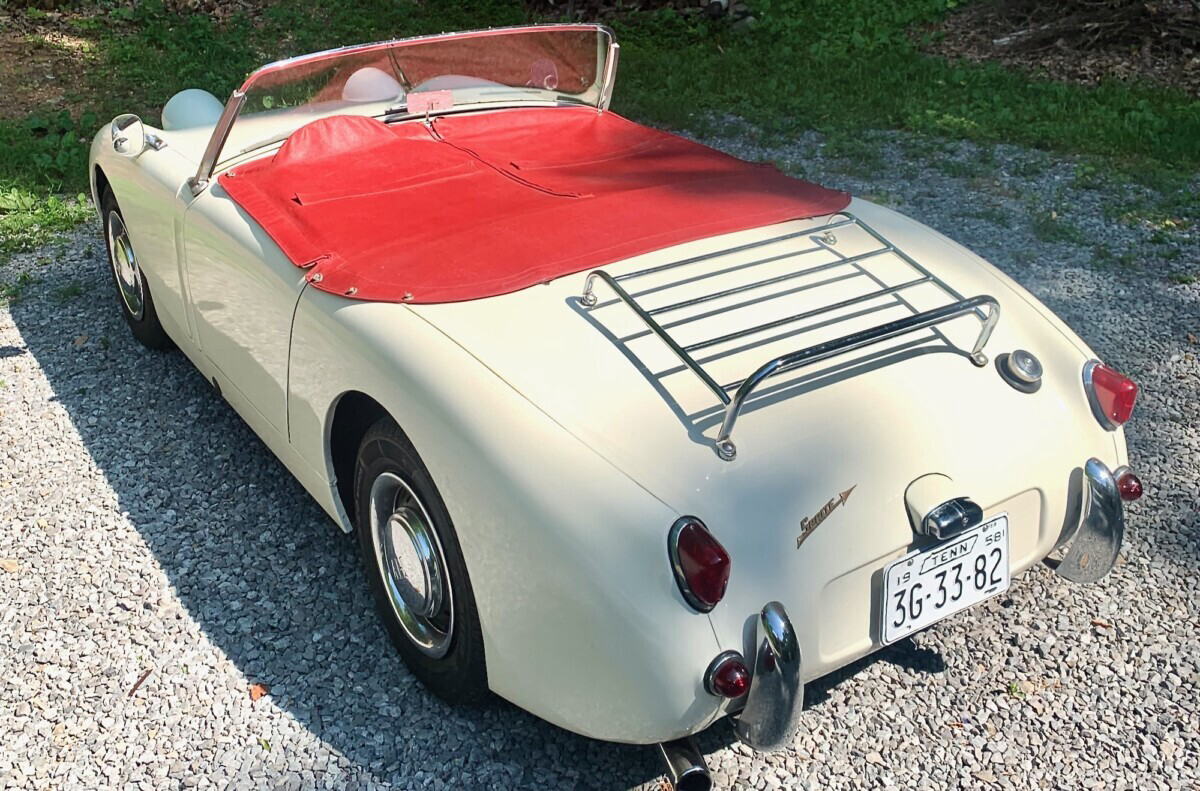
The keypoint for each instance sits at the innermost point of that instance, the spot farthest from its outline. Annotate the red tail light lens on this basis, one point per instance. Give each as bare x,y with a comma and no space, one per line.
728,676
1129,485
700,563
1111,394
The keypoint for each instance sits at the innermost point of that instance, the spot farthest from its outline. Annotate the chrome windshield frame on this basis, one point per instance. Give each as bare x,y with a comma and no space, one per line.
233,107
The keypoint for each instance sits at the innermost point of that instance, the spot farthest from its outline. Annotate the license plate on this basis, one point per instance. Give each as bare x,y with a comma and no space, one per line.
938,581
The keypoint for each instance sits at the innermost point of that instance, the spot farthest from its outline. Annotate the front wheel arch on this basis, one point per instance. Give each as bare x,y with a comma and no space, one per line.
352,415
99,185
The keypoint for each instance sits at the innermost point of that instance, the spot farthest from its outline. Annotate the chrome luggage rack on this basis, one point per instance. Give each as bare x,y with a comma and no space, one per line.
824,239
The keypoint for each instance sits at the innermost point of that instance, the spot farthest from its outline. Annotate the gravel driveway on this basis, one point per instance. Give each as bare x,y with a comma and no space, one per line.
156,562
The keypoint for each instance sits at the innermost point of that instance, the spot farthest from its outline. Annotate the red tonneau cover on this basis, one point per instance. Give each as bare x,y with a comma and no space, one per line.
490,203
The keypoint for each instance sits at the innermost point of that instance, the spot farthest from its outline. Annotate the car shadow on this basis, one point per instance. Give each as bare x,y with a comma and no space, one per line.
264,572
274,584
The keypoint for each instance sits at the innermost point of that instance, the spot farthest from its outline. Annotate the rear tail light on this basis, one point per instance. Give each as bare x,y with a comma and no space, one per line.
1111,394
728,676
700,563
1128,484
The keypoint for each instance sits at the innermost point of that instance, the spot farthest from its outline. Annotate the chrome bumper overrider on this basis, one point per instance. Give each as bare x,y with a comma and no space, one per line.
1101,529
776,698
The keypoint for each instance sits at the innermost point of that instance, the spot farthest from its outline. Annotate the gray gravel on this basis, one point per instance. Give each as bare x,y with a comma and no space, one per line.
147,536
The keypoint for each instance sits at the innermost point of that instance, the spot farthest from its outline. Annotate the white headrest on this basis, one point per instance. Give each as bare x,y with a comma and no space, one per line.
370,84
192,107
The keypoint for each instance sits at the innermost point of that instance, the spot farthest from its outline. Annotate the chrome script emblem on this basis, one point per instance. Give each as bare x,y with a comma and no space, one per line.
811,523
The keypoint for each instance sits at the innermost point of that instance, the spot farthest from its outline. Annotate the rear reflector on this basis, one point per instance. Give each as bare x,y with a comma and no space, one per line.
700,563
1111,394
728,676
1129,485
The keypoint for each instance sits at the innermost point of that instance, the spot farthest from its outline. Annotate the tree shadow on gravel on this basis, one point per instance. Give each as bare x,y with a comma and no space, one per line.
268,577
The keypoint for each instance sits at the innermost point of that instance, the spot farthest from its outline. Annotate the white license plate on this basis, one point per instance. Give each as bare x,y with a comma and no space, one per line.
932,583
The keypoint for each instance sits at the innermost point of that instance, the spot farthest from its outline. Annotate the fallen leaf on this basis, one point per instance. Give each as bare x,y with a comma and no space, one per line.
1101,624
257,690
263,743
80,340
9,565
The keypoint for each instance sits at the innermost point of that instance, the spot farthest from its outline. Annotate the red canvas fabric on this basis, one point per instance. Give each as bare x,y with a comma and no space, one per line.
490,203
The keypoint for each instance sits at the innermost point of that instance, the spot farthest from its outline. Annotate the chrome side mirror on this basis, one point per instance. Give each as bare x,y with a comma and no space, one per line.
130,138
128,135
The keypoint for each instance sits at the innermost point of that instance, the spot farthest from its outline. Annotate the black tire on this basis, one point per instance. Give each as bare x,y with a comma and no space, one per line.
143,323
459,676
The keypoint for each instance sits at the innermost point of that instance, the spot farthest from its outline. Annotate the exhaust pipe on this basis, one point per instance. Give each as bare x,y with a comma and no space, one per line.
686,769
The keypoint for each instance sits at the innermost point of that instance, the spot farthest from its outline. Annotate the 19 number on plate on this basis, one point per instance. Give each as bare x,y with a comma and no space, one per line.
937,581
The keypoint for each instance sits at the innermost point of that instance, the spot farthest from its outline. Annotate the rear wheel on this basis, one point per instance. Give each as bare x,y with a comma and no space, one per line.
416,568
137,306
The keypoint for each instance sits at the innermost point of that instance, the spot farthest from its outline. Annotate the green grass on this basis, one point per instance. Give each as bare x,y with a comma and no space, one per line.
30,218
1048,226
993,214
1103,257
12,292
842,67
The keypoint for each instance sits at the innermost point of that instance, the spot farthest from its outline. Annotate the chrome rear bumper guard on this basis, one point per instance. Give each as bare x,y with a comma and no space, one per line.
1097,540
775,702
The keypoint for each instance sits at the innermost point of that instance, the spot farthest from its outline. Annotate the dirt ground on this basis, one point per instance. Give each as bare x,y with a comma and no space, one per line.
978,33
43,64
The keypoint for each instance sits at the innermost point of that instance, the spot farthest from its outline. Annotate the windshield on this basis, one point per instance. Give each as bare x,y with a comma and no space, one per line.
539,65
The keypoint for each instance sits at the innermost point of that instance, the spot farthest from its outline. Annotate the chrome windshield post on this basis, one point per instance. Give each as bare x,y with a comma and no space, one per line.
208,162
610,75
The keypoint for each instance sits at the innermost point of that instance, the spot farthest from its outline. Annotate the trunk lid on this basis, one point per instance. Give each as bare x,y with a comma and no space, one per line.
845,436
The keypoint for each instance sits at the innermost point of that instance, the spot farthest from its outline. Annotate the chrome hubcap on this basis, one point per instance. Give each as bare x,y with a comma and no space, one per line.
125,265
410,559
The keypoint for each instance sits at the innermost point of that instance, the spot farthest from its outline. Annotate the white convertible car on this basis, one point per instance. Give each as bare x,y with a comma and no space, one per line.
632,433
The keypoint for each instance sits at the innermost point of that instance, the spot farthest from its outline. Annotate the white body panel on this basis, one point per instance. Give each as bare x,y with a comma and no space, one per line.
564,457
243,295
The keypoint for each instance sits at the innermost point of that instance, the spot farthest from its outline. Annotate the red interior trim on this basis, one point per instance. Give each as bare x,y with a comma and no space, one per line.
490,203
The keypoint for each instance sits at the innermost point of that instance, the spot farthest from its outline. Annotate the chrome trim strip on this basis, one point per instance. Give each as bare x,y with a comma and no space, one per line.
1089,387
1101,531
775,703
983,307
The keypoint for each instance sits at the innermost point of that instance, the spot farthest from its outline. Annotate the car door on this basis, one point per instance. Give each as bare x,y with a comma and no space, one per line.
243,294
